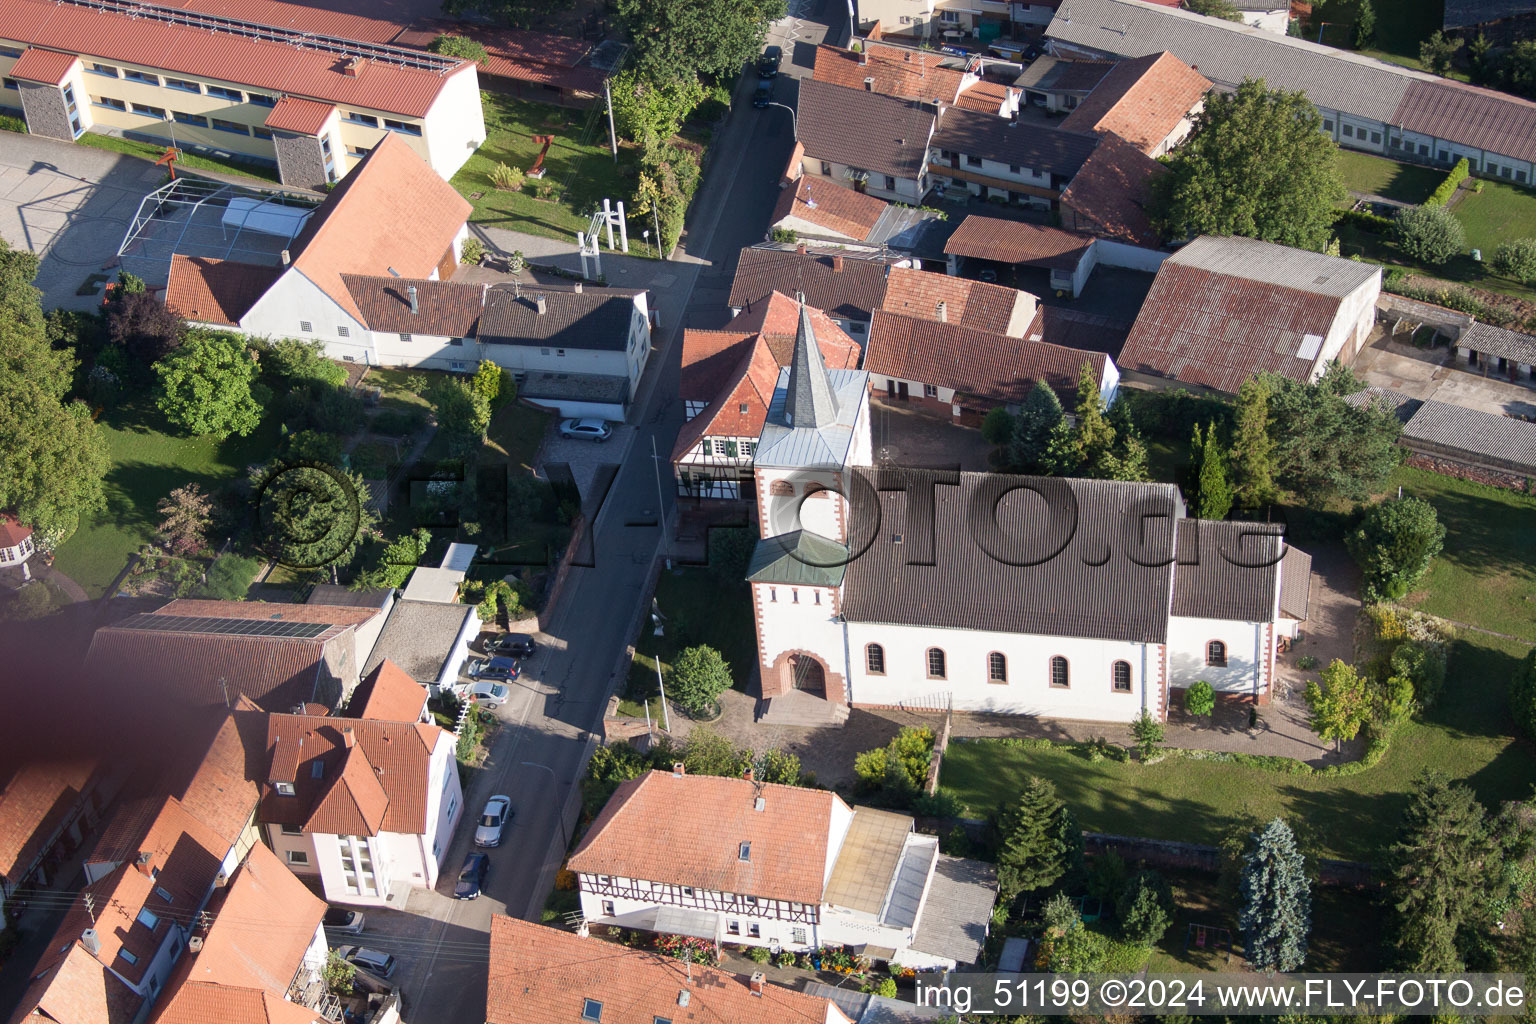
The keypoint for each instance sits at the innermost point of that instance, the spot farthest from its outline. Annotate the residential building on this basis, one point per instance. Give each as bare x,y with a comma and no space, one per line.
787,867
380,599
16,546
1023,162
49,810
1108,198
727,383
818,212
1060,85
864,140
368,806
1067,256
943,298
427,640
392,218
1150,102
915,74
200,80
542,975
1224,309
579,351
844,286
388,694
538,66
206,653
1366,104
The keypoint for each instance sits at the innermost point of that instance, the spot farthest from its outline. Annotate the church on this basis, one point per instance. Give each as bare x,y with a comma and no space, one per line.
985,592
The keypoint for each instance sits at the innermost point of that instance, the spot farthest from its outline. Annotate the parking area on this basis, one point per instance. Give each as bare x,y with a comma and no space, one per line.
584,456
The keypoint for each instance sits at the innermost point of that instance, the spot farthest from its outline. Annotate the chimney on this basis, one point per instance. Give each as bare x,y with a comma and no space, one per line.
869,85
864,54
577,287
348,738
837,264
195,944
756,982
352,66
942,312
747,775
415,308
145,863
286,257
800,248
91,941
541,304
678,770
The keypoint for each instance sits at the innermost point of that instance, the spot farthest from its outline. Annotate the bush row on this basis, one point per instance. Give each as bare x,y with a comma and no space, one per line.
1447,188
12,124
1365,221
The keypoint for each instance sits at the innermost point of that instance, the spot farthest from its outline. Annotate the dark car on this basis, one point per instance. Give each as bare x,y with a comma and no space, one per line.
768,63
471,877
497,667
764,94
512,645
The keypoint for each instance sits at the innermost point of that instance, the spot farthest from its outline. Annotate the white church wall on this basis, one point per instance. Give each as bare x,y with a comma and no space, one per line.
1246,654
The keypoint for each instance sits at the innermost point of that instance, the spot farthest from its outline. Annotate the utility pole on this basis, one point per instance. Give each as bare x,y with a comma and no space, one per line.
661,501
613,138
666,722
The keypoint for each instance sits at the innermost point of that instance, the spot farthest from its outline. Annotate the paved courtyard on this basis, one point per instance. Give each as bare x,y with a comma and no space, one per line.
1429,373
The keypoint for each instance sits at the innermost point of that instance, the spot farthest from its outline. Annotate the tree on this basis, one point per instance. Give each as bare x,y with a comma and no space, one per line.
1522,695
1435,53
1148,732
312,516
1429,234
1214,497
1276,901
462,413
1031,855
398,560
301,364
28,602
1069,837
185,517
1516,260
1517,69
997,427
1256,164
1364,30
1484,67
1438,871
1200,699
1222,9
1039,415
143,327
1340,705
1324,447
696,37
229,577
338,973
1093,443
489,381
1145,908
699,676
207,386
458,46
1394,543
645,109
52,454
1252,452
730,552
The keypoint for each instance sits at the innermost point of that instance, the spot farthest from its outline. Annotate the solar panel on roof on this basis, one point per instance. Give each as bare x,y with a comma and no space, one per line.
225,627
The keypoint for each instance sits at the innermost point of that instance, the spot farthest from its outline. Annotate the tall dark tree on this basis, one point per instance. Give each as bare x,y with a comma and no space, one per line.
144,327
1038,416
1145,909
1252,452
1438,871
1069,836
1276,907
1031,854
1437,52
1256,164
1324,446
1213,493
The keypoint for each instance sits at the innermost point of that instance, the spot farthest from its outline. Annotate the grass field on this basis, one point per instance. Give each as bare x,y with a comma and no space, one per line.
1487,573
1499,213
1407,183
189,160
698,609
585,172
1400,27
149,460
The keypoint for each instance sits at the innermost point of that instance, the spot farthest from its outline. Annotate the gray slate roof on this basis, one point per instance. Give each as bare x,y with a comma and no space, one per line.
587,387
863,129
1227,570
1279,265
1024,143
808,399
345,597
419,636
798,558
1496,341
795,447
958,911
593,318
863,1008
1510,441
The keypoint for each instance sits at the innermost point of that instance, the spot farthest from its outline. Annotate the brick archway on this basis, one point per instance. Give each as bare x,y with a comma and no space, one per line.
805,671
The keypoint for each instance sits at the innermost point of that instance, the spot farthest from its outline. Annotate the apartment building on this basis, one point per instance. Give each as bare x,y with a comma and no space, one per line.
311,105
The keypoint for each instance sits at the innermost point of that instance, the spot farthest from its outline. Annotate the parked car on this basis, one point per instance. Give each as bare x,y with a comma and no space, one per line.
471,877
768,63
486,694
495,667
764,94
341,919
370,960
513,645
498,814
591,429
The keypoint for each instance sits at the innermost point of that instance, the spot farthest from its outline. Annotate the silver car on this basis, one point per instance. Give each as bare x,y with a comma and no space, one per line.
493,821
486,694
591,429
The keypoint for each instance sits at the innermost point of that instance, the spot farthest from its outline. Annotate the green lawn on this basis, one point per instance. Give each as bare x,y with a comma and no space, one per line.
1401,26
699,609
1499,213
1408,183
189,160
1486,574
392,382
148,462
1462,269
584,171
515,433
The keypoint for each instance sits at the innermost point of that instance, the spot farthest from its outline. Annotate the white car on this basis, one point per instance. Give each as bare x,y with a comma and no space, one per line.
485,693
591,429
493,821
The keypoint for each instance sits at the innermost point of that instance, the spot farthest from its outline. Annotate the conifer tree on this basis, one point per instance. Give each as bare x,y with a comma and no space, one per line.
1252,451
1215,494
1038,416
1094,442
1276,910
1031,854
1439,871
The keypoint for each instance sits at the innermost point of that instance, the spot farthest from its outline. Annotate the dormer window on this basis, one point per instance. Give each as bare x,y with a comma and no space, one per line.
283,788
744,852
591,1010
317,770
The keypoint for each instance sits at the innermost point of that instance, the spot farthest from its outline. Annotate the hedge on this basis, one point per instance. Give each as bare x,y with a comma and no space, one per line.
12,124
1447,188
1365,221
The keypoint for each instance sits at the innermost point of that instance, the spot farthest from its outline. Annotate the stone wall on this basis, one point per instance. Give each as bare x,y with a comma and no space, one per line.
299,160
44,107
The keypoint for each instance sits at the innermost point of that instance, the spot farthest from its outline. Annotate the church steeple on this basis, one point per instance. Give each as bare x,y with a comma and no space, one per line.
810,401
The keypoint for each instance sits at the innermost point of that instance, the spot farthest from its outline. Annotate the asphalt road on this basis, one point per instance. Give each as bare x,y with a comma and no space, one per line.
547,725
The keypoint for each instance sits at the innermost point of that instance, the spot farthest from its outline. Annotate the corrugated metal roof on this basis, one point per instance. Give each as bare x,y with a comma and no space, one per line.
1295,583
1497,341
1268,263
1470,430
958,911
1227,570
1474,117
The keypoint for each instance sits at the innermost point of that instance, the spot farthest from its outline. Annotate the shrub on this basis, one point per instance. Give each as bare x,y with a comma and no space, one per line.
507,178
1306,662
1145,908
1516,259
943,804
699,676
1148,732
758,954
300,363
229,577
1365,221
784,235
1200,699
546,189
338,974
458,46
472,252
1429,234
1394,544
12,124
1447,188
997,426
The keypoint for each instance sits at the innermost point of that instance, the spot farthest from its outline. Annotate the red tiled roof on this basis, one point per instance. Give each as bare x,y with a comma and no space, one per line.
34,801
215,291
388,694
218,791
332,19
1141,100
542,58
355,803
306,117
709,360
687,830
391,210
330,614
541,975
974,304
199,1002
842,211
189,668
985,96
12,533
46,66
74,987
1012,241
1108,195
897,71
221,56
982,364
444,309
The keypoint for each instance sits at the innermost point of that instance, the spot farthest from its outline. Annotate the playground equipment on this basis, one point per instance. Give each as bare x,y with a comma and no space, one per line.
169,158
537,170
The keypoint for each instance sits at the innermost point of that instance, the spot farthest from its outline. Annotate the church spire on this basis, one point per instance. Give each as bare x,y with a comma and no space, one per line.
810,401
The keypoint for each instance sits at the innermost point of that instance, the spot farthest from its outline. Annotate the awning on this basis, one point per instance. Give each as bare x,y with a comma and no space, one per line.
698,924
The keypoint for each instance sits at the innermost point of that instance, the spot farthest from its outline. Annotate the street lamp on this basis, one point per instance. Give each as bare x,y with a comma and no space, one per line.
794,125
560,811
